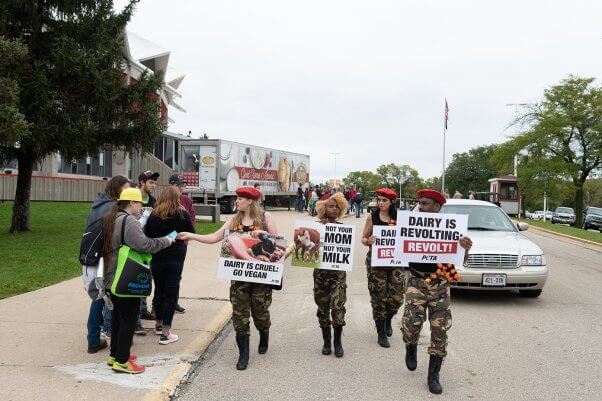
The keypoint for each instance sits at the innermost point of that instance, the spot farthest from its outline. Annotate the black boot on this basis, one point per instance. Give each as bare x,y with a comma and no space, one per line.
411,362
264,337
433,377
383,341
388,326
243,351
338,346
326,335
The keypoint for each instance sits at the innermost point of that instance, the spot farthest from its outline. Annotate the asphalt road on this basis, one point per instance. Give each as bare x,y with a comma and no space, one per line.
502,346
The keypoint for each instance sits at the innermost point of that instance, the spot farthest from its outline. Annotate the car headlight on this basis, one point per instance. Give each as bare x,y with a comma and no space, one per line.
533,260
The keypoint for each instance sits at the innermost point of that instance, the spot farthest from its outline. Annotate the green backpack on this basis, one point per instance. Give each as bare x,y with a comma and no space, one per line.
133,278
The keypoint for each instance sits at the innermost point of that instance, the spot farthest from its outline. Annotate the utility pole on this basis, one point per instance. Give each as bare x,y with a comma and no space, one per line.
335,154
516,105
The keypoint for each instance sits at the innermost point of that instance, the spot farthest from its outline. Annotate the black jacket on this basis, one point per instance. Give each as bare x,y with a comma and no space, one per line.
156,227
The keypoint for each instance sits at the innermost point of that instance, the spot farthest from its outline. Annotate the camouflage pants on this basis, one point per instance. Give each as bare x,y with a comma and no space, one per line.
250,299
435,298
330,294
386,287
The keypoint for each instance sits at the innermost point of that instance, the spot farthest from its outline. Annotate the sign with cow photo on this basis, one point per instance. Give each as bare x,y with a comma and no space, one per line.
323,246
255,257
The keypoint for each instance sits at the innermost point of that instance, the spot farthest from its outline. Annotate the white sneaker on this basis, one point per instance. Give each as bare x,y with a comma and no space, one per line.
171,338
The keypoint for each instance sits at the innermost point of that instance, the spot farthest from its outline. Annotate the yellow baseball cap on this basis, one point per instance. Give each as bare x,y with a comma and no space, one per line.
131,194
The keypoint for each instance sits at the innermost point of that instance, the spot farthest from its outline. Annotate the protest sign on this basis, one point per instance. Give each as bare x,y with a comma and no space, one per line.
255,257
421,238
323,246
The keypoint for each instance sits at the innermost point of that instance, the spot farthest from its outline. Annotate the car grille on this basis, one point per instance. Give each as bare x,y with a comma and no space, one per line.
492,261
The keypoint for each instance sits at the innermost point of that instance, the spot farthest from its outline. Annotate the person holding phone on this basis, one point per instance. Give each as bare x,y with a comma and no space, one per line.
167,219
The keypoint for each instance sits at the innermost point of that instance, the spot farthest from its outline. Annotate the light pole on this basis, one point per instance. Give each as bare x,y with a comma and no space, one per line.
516,105
335,154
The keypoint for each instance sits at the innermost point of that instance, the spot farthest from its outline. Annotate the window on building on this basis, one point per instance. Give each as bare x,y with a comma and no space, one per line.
169,152
159,149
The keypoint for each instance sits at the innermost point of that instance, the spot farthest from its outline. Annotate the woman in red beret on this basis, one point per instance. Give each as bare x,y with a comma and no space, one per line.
386,284
246,298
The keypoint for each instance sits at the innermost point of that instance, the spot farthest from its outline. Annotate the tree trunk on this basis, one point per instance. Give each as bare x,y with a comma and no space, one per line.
20,221
579,205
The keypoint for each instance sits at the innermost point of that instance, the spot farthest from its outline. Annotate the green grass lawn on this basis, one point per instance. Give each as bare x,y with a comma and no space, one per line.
565,229
49,253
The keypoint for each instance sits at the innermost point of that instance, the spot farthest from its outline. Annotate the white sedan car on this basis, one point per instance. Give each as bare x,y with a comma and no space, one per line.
501,257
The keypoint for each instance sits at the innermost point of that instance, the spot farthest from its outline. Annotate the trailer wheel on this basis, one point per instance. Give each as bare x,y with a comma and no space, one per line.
232,205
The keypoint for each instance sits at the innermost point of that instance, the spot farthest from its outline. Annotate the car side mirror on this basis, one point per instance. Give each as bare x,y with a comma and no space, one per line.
522,226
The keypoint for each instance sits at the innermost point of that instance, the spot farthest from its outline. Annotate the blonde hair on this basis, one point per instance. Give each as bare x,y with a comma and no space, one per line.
254,212
342,203
168,204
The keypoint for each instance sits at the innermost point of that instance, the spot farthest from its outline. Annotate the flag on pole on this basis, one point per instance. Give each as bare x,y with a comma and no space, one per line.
446,113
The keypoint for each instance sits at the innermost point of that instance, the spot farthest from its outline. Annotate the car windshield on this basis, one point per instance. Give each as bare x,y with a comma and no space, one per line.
485,218
567,210
594,210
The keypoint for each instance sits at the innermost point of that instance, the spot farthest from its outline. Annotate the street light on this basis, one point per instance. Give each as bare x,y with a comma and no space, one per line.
516,105
335,154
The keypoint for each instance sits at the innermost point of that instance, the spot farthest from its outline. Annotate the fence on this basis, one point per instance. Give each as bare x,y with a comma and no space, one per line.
45,188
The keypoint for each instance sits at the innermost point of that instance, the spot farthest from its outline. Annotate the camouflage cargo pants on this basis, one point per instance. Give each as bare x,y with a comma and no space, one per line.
330,294
435,298
386,287
250,299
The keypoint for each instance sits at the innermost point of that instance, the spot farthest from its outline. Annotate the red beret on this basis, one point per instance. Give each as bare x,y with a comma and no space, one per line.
387,193
432,194
324,197
248,192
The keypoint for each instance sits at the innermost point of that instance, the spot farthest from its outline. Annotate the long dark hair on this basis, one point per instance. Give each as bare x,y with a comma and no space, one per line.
108,227
113,188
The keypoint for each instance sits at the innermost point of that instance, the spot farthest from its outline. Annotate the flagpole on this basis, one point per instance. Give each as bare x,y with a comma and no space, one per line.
443,174
445,116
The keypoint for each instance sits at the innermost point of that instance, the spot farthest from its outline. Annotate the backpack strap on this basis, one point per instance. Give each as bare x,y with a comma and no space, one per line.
123,229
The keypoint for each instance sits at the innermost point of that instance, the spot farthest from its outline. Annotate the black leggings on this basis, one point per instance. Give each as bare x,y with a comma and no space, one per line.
123,322
166,275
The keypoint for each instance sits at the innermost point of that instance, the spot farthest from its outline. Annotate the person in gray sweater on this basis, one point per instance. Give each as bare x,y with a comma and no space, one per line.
101,206
126,310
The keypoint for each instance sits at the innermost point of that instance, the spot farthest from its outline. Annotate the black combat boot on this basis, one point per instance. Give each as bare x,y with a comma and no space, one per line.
242,341
411,362
433,377
383,341
264,337
326,335
389,326
338,346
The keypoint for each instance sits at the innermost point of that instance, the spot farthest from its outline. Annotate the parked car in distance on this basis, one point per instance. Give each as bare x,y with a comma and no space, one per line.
536,215
564,215
592,218
549,215
501,258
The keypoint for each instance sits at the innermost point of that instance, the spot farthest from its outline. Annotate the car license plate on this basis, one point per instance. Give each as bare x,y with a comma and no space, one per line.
494,280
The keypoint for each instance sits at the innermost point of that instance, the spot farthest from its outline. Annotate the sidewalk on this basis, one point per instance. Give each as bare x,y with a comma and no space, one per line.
43,353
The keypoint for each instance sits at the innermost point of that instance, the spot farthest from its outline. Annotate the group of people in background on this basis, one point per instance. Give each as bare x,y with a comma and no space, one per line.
131,215
307,199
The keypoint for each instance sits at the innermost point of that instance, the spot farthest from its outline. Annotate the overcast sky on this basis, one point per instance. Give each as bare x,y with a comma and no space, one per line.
367,79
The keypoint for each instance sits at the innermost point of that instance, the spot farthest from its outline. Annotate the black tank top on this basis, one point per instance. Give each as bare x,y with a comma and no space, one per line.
376,221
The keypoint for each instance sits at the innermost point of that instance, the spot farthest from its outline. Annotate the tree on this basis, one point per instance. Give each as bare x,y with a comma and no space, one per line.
366,180
13,125
72,90
471,170
395,176
563,131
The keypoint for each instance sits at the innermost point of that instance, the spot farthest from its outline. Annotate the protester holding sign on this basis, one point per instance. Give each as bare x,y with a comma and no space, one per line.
424,293
330,286
385,284
121,227
246,298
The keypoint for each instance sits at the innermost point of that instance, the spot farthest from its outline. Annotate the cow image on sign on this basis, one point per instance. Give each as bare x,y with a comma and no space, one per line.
252,257
323,246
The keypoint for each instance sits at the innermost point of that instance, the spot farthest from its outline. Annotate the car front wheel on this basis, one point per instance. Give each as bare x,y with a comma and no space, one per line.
529,293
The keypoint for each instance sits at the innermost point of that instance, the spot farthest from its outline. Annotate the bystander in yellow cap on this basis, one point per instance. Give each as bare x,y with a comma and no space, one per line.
131,194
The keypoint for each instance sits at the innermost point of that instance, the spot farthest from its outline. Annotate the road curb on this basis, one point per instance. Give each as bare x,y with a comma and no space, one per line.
196,348
556,234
